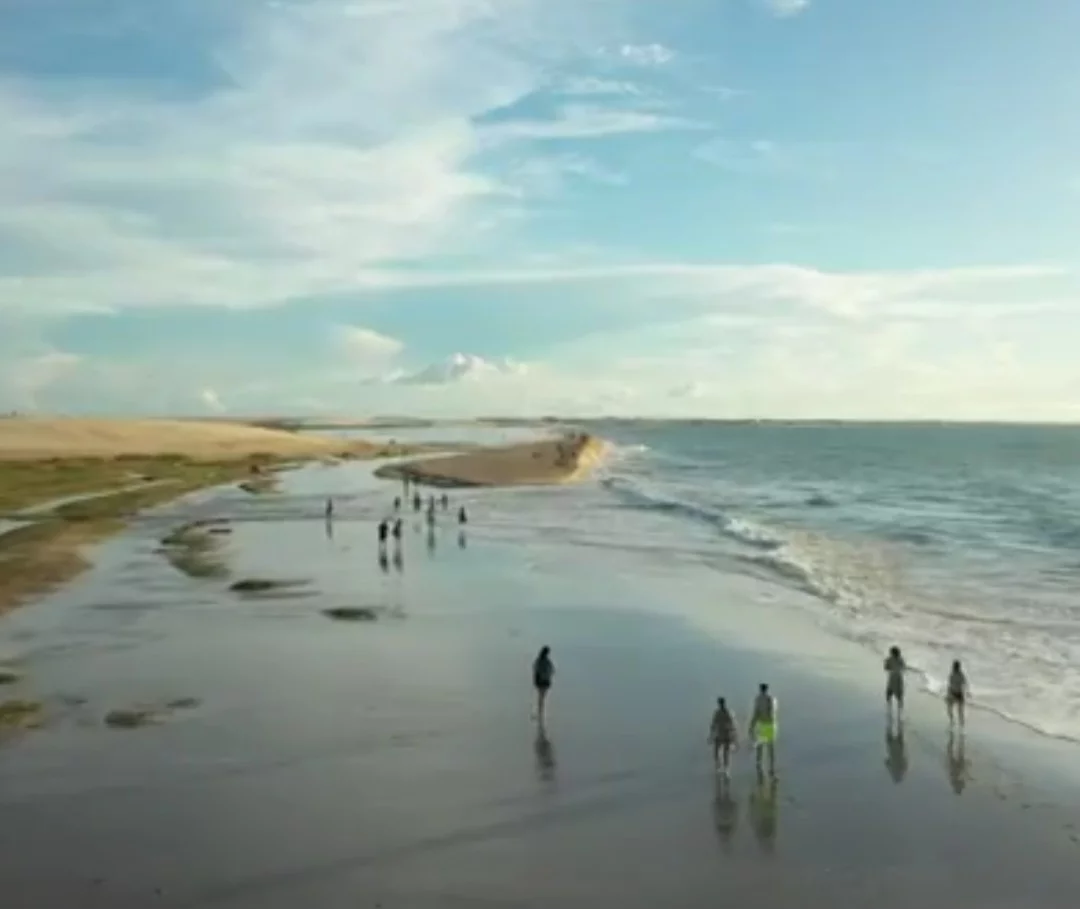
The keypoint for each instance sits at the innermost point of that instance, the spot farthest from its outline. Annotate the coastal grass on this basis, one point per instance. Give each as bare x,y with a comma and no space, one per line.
46,552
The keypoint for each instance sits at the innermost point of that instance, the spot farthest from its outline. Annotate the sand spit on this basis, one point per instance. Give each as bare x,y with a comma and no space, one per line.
545,462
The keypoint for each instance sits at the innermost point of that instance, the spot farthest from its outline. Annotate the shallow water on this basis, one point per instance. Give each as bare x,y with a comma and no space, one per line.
950,541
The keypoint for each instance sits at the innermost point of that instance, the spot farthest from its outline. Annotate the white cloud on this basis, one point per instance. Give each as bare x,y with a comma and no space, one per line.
212,400
342,141
366,346
646,54
784,9
457,368
592,85
583,121
24,381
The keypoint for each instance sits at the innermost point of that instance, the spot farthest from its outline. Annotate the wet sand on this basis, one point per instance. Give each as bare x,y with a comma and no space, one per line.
394,763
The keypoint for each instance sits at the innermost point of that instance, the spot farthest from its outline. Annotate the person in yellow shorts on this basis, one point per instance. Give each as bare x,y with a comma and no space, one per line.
763,728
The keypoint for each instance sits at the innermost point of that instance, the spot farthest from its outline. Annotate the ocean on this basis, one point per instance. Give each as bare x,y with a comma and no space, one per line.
950,541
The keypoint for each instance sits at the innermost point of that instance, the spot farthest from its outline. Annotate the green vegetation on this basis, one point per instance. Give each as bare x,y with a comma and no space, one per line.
46,552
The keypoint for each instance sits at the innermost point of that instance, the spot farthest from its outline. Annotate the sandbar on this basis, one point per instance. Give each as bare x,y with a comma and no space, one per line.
543,462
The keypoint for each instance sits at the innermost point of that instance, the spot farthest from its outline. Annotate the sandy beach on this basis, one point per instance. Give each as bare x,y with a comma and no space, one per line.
545,462
34,438
394,763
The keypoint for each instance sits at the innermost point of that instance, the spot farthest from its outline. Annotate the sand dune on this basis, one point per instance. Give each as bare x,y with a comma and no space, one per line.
545,462
34,438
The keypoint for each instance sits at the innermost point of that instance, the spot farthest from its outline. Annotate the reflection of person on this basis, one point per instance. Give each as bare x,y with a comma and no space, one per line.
545,756
763,728
722,736
765,811
431,539
956,762
895,667
462,540
384,562
543,676
896,752
725,813
956,694
399,561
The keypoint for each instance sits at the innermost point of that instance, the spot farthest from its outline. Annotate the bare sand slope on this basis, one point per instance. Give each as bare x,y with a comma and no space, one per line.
544,462
35,438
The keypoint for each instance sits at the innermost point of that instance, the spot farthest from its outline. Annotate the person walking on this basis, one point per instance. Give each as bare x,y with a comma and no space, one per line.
543,676
763,728
722,737
956,694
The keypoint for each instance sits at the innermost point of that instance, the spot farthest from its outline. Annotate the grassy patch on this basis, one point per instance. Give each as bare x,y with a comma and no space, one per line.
46,553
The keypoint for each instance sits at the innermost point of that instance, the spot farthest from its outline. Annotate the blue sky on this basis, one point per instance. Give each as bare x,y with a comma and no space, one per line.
449,207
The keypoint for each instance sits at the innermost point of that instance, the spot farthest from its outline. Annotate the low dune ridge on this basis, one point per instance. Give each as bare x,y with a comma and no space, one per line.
543,462
39,438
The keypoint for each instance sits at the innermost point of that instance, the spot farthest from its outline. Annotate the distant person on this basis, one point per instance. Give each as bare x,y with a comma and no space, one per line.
543,676
329,509
396,531
384,562
397,503
722,736
763,728
399,561
462,516
417,502
431,503
384,530
956,694
430,517
445,502
895,667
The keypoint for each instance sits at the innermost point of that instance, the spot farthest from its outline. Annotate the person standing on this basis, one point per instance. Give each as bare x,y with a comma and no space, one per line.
895,667
722,736
956,694
763,728
543,676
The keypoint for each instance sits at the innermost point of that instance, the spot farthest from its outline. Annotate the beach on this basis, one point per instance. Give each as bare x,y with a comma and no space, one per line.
394,762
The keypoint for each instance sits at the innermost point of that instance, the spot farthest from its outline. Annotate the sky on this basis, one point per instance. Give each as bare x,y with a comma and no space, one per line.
695,208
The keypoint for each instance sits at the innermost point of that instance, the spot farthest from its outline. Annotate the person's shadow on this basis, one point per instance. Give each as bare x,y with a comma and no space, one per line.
956,763
764,811
544,751
725,813
896,760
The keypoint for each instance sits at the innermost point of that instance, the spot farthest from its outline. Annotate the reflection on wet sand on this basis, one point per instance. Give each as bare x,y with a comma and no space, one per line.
956,763
545,756
431,541
462,540
725,813
896,760
399,562
384,562
764,811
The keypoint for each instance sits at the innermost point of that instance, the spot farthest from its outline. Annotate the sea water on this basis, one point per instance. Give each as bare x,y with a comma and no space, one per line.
949,541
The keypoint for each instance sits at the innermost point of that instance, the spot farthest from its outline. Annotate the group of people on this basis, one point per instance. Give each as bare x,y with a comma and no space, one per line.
392,528
956,688
762,727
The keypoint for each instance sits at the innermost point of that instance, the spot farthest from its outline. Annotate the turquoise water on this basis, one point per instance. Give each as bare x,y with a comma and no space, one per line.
951,541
